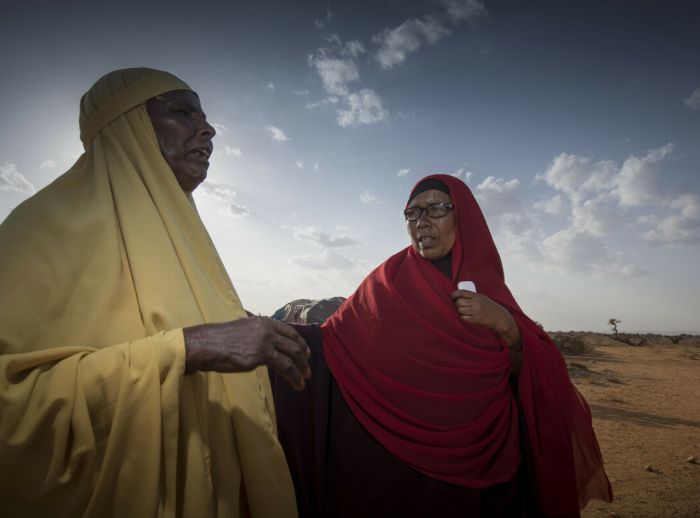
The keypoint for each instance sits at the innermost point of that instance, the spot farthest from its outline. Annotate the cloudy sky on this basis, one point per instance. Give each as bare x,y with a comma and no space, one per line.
576,124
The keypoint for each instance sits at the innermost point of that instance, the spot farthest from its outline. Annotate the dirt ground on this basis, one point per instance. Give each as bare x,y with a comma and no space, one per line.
646,412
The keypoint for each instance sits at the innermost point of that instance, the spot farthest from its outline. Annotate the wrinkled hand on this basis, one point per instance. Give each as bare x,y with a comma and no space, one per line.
245,344
483,311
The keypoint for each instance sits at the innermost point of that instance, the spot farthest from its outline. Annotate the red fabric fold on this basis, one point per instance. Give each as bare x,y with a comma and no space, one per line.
434,390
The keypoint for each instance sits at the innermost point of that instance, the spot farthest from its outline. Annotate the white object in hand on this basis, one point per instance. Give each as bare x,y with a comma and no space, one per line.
466,285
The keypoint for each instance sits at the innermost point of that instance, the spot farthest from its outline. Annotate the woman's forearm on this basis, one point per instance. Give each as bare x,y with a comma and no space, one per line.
509,329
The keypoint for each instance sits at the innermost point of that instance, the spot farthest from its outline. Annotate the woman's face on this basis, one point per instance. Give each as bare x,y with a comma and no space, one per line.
184,135
432,238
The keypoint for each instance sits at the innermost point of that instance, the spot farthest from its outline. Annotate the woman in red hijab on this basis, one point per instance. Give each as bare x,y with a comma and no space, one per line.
413,408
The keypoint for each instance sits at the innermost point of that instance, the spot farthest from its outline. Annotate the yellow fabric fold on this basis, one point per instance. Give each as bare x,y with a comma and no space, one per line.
99,273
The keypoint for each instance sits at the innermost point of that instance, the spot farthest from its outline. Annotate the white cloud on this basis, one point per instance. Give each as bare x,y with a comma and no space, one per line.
318,237
370,198
238,211
354,48
463,172
516,225
299,164
597,217
396,44
269,87
328,260
499,185
337,63
637,182
337,68
316,166
47,164
218,192
12,180
600,193
225,196
220,128
276,134
463,10
576,175
321,23
336,47
322,102
576,248
647,219
365,107
233,151
497,196
675,231
680,229
572,249
555,205
513,227
693,102
601,201
598,198
403,172
688,204
335,73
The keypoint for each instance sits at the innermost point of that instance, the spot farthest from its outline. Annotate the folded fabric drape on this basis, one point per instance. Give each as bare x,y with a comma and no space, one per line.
433,389
99,273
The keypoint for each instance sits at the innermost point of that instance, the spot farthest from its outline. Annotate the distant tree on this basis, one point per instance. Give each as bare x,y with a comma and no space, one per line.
613,323
636,340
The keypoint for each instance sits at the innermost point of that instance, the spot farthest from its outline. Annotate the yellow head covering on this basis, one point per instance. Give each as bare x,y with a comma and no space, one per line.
99,272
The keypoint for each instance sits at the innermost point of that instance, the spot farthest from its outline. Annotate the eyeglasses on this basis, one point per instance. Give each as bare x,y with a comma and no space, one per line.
434,210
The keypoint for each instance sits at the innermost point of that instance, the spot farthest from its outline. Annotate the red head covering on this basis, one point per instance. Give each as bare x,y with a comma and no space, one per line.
433,389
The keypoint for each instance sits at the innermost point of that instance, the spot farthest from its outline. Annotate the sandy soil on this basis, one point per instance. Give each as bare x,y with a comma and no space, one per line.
646,412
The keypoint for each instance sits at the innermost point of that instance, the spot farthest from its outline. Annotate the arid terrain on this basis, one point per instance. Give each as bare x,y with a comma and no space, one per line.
645,402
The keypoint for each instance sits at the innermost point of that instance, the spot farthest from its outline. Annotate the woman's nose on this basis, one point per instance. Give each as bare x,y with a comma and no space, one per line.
206,130
423,219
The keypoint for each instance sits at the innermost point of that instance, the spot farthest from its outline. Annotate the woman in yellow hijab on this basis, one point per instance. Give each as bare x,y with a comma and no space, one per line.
119,329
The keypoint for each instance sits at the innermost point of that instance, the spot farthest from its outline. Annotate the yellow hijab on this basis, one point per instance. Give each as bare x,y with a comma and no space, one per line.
99,273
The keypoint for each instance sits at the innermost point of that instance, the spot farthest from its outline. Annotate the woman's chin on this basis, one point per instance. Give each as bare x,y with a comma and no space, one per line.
431,254
190,182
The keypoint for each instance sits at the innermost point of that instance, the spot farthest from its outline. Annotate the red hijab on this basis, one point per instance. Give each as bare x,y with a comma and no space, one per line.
433,389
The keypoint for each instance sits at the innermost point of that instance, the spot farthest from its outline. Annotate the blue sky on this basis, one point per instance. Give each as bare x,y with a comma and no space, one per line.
576,124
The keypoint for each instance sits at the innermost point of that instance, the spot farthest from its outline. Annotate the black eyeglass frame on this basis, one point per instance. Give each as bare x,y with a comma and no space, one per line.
432,206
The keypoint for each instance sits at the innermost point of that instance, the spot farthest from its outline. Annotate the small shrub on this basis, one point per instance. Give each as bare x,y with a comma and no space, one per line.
570,344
